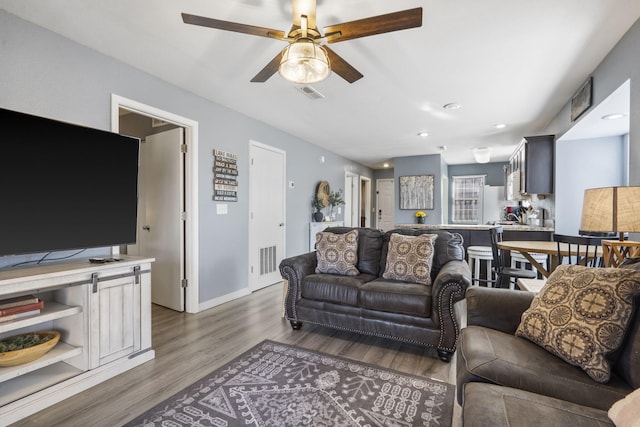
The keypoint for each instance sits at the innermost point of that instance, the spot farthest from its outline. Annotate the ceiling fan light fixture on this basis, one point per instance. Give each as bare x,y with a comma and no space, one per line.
304,62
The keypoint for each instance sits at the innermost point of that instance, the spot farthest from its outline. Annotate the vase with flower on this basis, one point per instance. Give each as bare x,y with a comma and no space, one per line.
420,217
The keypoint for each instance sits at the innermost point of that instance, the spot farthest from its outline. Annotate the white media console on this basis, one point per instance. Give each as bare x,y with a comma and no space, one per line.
103,312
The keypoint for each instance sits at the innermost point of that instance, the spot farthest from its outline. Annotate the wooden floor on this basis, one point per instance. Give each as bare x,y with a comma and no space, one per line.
189,346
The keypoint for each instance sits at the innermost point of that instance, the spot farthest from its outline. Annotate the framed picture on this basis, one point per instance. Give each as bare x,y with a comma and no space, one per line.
581,101
416,192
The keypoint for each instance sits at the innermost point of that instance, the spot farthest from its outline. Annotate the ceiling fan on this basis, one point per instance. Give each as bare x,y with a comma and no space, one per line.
307,59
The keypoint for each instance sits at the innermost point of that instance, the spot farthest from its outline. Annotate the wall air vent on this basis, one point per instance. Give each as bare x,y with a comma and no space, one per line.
310,92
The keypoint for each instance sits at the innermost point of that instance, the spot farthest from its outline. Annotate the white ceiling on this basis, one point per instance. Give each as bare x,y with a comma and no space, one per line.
505,61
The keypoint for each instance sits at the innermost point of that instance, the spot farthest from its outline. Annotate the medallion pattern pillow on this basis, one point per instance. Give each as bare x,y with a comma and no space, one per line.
409,258
337,253
581,315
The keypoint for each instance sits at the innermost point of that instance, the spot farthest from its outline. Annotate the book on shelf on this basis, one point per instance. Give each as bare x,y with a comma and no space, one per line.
18,301
18,316
22,308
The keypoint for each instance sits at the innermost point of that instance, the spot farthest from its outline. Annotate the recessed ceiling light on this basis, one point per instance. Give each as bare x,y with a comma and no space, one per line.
613,116
423,134
386,165
500,126
451,106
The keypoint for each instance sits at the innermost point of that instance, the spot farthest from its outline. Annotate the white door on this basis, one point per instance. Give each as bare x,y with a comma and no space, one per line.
266,214
160,207
385,204
351,206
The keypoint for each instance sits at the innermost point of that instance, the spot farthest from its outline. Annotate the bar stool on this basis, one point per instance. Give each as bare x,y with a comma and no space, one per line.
519,261
476,255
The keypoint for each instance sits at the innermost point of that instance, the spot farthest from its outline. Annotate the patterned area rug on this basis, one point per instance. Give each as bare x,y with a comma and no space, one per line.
276,384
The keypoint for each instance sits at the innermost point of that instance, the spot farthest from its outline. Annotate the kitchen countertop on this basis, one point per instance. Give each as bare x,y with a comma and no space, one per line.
480,227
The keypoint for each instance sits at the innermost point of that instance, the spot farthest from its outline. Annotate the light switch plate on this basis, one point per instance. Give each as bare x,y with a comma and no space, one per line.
222,209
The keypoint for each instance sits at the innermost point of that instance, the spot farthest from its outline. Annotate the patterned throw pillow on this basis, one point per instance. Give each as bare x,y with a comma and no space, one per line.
409,258
581,315
337,253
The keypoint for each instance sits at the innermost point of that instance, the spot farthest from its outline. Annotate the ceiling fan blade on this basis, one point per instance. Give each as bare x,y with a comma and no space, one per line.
342,67
232,26
395,21
269,70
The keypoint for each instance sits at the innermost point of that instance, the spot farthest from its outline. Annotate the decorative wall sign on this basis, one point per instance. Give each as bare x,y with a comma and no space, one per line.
225,176
416,192
581,101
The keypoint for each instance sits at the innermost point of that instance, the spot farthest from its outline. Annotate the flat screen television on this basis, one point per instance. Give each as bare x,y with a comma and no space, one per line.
65,186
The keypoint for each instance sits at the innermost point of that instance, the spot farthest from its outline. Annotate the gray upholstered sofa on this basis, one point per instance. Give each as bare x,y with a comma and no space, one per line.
369,304
506,380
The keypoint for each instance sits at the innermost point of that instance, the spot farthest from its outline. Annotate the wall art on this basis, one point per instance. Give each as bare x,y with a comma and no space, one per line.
225,176
416,192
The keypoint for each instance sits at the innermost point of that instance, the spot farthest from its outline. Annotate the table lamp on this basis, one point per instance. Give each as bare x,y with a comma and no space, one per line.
613,209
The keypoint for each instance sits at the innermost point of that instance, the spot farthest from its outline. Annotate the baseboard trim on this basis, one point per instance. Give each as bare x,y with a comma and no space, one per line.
224,298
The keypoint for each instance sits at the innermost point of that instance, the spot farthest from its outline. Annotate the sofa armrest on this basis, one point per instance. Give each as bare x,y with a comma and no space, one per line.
448,288
294,269
499,309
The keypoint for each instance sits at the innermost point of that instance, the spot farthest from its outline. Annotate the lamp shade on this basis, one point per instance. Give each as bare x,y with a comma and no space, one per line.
304,62
611,209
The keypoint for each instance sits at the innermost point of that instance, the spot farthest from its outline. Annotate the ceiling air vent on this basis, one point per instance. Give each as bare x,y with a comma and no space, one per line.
310,92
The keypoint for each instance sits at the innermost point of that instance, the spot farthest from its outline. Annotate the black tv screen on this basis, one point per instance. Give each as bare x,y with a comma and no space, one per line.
65,186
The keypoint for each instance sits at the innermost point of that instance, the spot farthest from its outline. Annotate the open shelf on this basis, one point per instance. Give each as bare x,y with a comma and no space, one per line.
58,353
103,313
35,381
51,311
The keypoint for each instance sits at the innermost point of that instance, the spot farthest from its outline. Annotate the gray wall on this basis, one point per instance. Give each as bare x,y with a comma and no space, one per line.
48,75
419,165
493,171
618,66
433,165
585,164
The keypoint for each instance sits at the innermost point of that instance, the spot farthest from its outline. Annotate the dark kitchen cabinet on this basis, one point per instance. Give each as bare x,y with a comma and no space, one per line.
532,162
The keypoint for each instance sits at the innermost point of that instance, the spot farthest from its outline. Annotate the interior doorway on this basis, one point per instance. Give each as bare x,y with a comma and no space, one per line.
173,153
365,202
351,205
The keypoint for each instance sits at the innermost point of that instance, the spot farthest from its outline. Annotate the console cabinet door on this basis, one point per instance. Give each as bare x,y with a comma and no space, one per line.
115,320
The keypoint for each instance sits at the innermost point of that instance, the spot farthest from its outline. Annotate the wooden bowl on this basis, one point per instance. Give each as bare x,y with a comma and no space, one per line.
29,354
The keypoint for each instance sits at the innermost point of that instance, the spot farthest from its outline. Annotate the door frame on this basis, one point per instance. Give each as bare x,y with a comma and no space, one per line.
354,201
253,143
367,200
192,303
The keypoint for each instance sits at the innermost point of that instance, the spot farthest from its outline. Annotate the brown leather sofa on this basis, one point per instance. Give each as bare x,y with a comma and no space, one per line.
505,380
369,304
